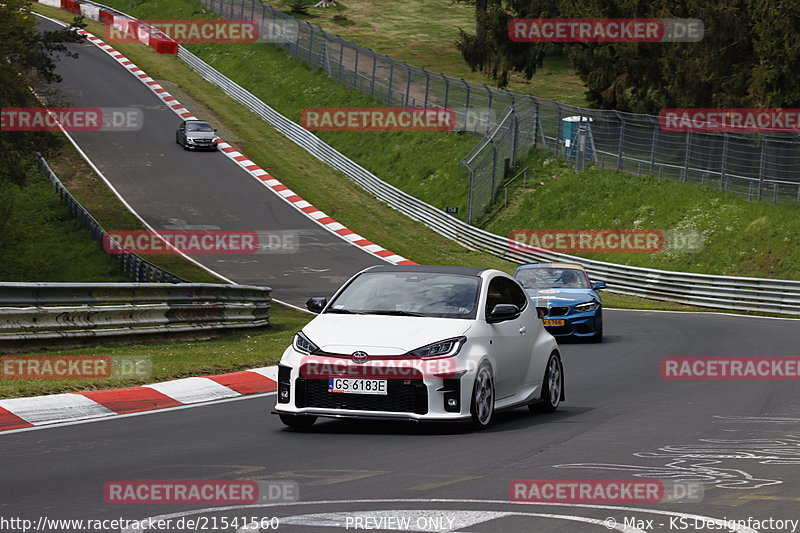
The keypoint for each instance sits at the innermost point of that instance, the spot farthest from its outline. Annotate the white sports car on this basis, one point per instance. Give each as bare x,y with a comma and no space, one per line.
420,343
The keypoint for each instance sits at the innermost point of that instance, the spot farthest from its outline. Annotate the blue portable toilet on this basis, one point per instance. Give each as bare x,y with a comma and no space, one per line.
569,133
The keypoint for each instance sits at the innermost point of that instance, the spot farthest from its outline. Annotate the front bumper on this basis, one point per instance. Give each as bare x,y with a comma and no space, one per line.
416,398
576,324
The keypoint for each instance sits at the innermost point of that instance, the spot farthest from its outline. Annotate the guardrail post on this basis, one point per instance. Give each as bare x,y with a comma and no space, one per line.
408,84
514,138
374,68
687,154
654,129
536,130
724,164
391,81
427,85
494,168
621,145
762,168
447,94
471,190
356,83
310,45
558,130
341,57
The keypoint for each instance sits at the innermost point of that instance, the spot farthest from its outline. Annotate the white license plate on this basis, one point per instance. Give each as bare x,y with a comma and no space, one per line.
357,386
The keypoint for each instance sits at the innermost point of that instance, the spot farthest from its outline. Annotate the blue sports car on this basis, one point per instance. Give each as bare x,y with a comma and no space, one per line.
567,295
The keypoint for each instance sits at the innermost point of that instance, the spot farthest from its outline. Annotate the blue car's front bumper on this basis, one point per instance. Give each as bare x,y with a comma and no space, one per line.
578,325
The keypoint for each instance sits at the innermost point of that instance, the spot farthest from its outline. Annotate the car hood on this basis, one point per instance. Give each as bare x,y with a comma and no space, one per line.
552,297
380,334
201,136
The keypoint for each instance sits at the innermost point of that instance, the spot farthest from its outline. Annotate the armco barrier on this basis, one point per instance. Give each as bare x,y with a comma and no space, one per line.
70,310
725,292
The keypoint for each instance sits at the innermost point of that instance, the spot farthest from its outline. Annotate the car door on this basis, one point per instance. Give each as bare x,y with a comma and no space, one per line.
512,340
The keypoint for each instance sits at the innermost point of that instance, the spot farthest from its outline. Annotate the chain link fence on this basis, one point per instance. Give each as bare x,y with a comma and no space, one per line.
136,268
758,166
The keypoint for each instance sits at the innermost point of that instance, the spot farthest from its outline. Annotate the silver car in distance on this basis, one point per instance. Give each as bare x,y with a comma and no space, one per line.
421,343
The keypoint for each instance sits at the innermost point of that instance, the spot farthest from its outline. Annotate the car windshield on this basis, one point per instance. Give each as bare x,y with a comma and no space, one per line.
410,294
552,278
199,126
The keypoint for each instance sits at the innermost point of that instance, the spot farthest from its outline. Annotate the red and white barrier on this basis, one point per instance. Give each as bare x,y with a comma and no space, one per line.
146,34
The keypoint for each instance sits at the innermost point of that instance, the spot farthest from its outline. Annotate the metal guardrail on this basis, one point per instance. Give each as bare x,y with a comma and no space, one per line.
136,268
69,310
725,292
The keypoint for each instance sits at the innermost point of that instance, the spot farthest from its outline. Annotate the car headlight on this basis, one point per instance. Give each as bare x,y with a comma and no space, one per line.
447,347
585,308
302,344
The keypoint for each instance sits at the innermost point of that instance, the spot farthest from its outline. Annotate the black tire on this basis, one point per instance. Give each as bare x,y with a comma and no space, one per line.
298,421
551,396
481,405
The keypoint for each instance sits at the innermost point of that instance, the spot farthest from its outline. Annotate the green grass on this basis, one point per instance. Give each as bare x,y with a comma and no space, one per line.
741,238
40,240
423,32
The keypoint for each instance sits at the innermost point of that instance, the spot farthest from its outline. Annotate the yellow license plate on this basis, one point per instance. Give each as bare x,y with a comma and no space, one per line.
553,322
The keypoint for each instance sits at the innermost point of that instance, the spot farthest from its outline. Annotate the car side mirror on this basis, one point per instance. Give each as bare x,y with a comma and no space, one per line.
598,285
316,305
502,312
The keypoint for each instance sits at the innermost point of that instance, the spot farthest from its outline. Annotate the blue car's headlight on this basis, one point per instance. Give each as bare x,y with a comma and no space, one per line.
302,344
586,307
448,347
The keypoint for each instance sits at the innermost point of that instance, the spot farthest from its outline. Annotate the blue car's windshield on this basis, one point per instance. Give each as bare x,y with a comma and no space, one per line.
552,278
410,294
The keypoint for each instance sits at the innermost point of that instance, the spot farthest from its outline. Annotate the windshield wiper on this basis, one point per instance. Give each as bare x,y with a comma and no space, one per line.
393,313
344,311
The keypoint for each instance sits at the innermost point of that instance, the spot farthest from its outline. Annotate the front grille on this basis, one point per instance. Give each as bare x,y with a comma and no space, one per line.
559,311
402,397
559,330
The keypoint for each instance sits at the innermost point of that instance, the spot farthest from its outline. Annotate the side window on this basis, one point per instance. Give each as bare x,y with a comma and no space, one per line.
505,291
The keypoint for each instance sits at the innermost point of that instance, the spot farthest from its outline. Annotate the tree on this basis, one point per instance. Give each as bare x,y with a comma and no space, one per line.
490,50
27,63
749,55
